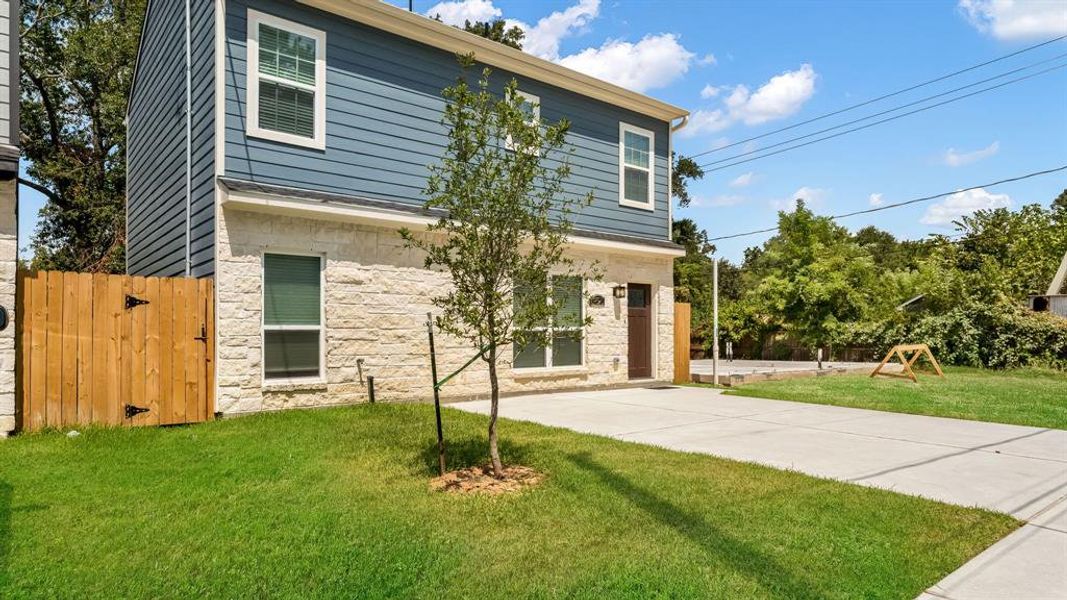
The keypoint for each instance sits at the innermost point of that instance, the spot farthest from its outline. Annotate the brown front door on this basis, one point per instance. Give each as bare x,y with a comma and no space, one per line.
639,326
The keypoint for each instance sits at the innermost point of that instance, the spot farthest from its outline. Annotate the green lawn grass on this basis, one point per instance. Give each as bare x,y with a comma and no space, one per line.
335,503
1035,397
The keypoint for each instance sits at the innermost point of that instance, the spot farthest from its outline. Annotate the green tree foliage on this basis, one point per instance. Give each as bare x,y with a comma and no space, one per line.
498,31
1060,201
506,225
77,61
683,170
822,285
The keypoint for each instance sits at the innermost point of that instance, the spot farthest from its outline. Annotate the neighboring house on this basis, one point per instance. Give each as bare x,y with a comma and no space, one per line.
9,170
278,146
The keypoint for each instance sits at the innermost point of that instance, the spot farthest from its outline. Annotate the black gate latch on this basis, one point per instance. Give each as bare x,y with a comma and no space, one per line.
132,411
132,301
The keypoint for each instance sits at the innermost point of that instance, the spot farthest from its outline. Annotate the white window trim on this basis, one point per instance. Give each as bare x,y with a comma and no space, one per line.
264,328
535,102
623,201
253,76
549,367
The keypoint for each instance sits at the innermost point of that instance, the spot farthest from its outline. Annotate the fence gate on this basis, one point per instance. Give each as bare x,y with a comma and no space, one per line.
113,349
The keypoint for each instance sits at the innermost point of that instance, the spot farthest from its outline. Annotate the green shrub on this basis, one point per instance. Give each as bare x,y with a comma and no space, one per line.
1003,336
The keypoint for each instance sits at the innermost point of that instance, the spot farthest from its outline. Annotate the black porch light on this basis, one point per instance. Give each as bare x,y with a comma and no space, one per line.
619,291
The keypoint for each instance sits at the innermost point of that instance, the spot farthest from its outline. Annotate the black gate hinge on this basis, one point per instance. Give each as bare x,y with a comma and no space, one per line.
132,411
132,301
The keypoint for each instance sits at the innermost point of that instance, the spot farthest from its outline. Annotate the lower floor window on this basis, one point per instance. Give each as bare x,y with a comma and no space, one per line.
292,316
565,349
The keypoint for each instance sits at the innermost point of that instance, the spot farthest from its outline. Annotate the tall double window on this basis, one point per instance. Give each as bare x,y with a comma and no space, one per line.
292,317
636,166
286,81
565,348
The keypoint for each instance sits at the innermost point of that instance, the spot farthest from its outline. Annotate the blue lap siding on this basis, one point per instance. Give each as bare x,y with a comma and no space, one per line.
383,130
383,124
158,190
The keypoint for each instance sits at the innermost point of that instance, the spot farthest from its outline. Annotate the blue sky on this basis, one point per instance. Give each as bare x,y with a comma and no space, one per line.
765,65
797,60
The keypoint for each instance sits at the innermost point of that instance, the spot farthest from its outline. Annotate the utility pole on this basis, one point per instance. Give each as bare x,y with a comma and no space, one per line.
715,320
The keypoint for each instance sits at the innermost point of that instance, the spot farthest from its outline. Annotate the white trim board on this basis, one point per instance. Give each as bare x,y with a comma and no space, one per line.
650,205
338,211
253,76
413,26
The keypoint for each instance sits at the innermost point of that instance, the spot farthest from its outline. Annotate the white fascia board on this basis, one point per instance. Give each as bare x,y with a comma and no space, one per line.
380,217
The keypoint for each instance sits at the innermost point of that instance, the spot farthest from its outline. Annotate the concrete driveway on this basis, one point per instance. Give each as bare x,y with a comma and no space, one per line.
1017,470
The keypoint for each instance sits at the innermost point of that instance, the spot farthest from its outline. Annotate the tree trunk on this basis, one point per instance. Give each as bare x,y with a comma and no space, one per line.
494,403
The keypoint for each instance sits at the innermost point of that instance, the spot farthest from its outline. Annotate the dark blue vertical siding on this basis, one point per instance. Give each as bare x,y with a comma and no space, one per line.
157,163
383,124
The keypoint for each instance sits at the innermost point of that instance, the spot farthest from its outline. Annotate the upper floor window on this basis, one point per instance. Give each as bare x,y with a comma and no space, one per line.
636,167
531,105
286,81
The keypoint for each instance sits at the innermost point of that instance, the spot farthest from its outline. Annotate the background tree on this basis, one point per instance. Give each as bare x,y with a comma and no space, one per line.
498,31
506,227
1060,201
684,170
77,61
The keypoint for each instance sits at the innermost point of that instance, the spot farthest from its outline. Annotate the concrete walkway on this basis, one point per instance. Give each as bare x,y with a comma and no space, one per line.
1017,470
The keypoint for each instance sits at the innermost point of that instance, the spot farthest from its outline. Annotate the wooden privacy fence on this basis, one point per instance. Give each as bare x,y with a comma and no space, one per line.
682,322
113,349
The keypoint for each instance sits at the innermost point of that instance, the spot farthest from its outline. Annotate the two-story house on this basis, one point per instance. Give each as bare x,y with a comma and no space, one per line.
278,146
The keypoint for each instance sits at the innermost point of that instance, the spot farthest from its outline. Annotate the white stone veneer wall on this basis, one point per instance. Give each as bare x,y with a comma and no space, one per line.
377,295
8,266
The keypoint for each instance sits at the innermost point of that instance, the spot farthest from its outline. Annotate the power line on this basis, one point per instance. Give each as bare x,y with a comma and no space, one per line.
891,110
905,202
883,97
886,120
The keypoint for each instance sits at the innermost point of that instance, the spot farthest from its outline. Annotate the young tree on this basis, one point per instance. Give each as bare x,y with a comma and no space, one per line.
77,65
500,184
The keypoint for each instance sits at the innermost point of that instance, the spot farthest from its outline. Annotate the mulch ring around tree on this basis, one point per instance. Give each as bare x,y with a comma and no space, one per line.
480,480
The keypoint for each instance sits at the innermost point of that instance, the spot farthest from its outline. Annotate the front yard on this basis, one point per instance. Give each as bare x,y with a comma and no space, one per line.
335,503
1036,397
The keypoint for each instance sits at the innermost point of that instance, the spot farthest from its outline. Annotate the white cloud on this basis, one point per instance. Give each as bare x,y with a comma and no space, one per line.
959,204
875,200
709,91
953,158
1016,19
717,201
456,12
653,62
705,121
743,180
543,38
780,97
708,60
812,198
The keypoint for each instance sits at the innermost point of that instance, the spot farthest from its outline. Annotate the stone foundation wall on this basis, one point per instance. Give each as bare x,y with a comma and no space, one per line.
377,294
8,266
